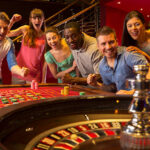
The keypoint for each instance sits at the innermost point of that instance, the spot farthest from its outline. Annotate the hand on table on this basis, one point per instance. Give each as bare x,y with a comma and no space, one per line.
66,78
125,92
91,79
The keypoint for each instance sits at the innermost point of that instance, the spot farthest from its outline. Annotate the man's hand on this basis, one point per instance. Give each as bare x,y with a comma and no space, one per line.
24,71
19,71
92,80
67,78
125,92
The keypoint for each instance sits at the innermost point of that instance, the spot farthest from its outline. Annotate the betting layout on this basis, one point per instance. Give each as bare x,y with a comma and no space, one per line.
71,135
10,96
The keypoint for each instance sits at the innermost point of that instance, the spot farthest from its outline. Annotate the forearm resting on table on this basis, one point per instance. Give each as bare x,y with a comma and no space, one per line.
131,92
125,92
108,88
77,80
74,80
62,73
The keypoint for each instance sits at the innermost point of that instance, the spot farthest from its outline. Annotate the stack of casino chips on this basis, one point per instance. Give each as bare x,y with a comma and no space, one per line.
34,84
65,91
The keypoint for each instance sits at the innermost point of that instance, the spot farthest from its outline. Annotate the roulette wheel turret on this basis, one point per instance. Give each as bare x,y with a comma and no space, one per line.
136,134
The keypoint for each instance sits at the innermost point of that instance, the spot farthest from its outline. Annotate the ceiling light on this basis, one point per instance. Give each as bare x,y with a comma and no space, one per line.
148,16
118,2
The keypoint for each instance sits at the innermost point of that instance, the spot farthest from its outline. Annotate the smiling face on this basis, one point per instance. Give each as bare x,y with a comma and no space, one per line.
107,45
73,38
135,28
3,29
53,40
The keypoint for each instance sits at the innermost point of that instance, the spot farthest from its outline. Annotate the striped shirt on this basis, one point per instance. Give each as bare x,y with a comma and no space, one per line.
7,48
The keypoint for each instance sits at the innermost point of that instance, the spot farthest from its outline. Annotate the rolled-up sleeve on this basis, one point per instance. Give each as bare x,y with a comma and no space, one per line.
11,58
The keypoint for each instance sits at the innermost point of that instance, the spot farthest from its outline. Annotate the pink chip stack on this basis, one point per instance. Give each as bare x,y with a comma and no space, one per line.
34,84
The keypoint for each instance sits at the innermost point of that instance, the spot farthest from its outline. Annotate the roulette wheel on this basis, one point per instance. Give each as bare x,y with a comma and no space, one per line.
71,122
79,122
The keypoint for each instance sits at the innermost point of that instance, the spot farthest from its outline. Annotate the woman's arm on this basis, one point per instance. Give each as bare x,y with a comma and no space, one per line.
78,74
21,30
53,69
137,50
44,72
15,18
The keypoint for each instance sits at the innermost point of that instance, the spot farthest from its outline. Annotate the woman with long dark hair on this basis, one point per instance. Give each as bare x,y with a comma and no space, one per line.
136,34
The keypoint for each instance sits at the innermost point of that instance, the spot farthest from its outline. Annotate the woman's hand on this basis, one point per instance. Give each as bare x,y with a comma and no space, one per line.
16,18
74,65
137,50
133,48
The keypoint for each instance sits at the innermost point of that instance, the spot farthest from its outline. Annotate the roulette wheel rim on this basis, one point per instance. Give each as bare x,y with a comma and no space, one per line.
37,142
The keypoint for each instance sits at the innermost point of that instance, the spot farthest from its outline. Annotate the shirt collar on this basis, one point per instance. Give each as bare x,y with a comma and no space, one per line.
3,41
119,52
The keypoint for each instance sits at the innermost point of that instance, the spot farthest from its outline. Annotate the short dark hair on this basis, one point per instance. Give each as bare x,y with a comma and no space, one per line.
4,17
105,30
72,25
127,40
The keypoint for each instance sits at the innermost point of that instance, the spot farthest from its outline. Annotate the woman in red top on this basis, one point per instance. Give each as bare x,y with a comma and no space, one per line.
31,54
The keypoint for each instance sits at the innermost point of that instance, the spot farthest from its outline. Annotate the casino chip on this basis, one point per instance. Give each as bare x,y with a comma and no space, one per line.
82,93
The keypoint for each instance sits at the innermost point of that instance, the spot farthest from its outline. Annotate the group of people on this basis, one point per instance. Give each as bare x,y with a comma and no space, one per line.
28,63
76,57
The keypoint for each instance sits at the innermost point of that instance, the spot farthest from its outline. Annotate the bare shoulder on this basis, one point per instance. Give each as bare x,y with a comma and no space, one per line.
24,27
52,52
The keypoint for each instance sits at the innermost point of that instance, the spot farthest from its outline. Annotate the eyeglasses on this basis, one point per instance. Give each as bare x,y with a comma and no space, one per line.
37,17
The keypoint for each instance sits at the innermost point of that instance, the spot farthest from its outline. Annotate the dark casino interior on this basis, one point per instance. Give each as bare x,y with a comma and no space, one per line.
43,119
